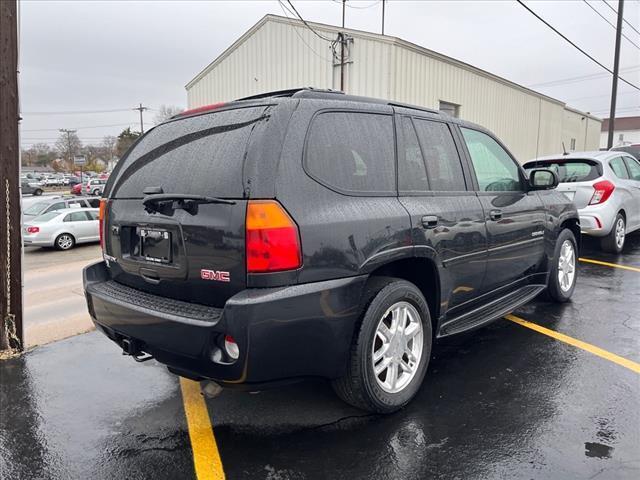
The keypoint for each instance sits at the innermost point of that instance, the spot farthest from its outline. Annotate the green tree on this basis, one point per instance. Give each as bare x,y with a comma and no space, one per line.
125,140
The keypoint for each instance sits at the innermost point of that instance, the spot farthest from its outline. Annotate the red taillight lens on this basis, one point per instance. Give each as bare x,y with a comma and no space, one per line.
102,219
273,243
33,229
602,191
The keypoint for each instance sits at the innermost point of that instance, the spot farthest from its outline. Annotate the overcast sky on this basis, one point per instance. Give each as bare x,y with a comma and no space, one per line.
112,55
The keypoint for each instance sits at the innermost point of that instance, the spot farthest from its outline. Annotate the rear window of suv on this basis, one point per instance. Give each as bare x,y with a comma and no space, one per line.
352,152
569,171
200,155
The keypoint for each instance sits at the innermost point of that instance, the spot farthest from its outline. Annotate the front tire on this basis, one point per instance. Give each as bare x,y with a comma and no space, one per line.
65,241
38,192
564,272
614,242
96,192
390,351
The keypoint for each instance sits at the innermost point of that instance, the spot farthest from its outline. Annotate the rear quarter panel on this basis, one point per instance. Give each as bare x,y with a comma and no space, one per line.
558,209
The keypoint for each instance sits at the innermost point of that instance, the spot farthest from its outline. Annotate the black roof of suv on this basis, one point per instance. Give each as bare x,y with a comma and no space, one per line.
311,233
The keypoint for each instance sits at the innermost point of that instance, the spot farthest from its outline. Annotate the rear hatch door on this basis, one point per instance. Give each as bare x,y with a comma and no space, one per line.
576,177
176,207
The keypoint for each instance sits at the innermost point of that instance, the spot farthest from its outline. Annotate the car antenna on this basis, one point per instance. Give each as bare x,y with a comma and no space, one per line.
564,150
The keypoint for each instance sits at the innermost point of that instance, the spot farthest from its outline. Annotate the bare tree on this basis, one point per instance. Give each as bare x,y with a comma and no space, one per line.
68,145
109,144
165,112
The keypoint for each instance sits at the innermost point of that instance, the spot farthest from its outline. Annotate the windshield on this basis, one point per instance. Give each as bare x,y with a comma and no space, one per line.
36,208
46,217
569,171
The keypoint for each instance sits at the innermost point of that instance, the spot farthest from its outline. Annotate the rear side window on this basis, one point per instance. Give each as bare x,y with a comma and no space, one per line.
618,167
441,156
412,174
634,168
201,155
352,152
568,170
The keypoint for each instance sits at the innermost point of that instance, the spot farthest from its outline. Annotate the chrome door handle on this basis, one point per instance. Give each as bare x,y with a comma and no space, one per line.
495,214
429,221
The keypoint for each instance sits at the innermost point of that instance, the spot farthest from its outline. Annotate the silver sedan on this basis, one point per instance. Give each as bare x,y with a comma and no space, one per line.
605,187
62,229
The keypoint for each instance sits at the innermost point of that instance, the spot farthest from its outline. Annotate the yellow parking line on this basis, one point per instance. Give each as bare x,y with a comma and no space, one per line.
612,357
607,264
206,459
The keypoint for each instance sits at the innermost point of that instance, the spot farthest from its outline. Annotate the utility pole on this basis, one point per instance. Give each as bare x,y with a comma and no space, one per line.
344,4
383,2
11,325
614,86
141,109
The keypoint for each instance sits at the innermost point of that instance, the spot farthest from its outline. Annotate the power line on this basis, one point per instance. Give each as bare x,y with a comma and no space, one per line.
306,24
77,112
282,6
612,25
592,76
616,12
78,128
358,8
574,45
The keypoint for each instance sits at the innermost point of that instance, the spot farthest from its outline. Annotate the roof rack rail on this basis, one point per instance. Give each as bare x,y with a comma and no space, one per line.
414,107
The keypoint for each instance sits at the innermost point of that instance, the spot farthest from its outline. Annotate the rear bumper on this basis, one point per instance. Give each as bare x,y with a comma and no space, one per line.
282,333
597,220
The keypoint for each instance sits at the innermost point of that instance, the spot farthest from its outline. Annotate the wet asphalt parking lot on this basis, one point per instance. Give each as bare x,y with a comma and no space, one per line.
506,401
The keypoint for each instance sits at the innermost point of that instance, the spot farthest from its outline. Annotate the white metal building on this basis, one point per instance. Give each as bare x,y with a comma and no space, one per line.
280,53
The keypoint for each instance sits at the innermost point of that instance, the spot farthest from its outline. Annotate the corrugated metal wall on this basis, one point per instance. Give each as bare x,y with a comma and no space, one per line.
279,54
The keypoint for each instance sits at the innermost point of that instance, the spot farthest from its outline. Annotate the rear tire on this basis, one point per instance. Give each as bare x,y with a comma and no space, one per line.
65,241
400,352
38,192
564,272
96,192
614,242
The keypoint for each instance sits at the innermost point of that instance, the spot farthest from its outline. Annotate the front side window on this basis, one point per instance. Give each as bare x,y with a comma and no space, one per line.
634,168
495,170
352,152
617,165
441,156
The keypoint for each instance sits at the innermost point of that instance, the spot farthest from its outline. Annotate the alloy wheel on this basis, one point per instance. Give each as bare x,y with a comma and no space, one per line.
65,242
566,266
397,347
620,233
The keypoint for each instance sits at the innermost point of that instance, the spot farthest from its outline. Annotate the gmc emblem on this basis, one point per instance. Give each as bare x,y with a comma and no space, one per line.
215,275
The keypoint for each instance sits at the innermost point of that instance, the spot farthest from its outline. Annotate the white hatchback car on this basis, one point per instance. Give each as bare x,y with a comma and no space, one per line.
605,187
62,229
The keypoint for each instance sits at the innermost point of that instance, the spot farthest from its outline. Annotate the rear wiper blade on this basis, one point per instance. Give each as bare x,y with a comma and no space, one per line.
185,201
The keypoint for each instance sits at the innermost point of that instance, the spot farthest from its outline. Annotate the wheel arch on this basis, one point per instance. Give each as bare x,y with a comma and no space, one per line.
573,224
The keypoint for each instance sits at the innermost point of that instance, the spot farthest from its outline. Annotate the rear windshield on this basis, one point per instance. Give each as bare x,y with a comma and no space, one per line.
569,170
36,208
201,155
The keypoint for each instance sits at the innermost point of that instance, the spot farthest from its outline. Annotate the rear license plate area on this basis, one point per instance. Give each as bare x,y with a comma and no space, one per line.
155,245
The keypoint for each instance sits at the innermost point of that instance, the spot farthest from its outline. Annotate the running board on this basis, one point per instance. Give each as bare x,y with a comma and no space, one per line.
489,312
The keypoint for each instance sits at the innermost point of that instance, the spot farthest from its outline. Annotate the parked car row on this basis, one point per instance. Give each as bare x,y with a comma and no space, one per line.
90,187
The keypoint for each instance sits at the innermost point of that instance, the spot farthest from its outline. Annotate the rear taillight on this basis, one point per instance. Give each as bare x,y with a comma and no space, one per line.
273,242
33,229
102,219
602,191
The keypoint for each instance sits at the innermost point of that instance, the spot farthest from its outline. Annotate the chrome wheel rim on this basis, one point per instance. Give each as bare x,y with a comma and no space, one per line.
65,242
566,266
620,233
397,347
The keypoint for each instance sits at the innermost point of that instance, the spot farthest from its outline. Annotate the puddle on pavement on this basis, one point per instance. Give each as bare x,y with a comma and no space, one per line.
598,450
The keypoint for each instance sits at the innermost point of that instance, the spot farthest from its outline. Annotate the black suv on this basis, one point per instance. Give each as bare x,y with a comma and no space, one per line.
311,233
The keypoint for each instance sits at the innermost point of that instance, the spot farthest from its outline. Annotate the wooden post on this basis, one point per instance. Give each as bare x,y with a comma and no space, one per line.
11,327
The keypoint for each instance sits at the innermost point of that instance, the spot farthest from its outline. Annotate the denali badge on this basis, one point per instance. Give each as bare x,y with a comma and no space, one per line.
216,275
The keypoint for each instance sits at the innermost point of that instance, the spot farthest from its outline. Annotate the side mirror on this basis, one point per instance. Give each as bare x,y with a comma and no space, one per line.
543,180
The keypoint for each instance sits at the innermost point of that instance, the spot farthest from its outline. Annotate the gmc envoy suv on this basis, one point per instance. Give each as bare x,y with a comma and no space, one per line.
309,233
